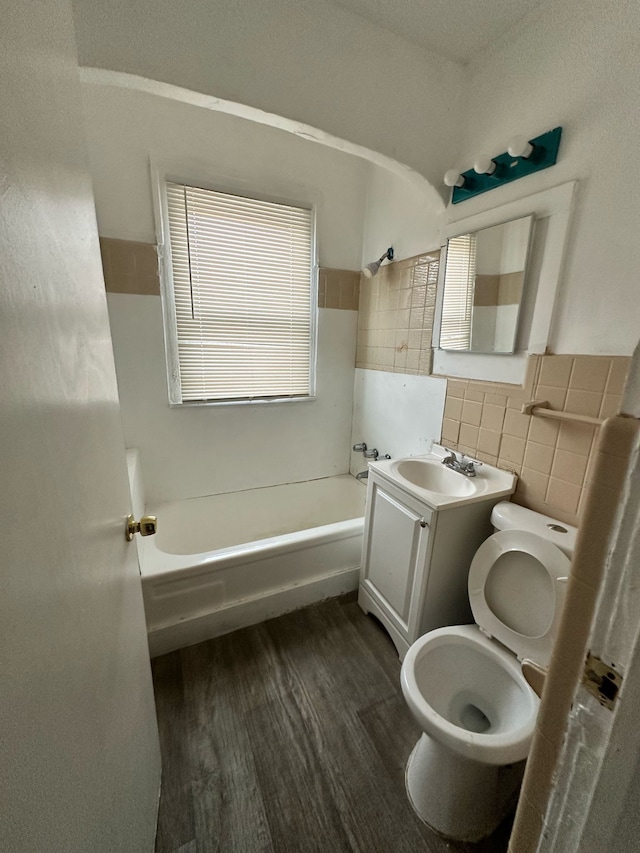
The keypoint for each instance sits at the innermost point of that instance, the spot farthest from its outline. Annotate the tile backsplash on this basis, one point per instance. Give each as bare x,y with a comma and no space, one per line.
552,459
130,267
338,288
395,318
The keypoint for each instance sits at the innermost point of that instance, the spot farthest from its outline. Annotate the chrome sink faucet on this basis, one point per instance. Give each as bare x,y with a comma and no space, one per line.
463,465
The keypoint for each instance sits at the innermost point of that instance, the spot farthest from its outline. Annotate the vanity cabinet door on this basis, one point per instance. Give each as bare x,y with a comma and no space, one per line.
396,540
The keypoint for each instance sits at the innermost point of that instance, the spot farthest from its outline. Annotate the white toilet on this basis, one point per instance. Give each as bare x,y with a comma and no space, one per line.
464,684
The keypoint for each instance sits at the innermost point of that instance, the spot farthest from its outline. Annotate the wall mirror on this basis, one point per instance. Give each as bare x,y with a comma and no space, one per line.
483,287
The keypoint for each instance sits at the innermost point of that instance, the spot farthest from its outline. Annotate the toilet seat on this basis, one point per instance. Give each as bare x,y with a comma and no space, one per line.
517,583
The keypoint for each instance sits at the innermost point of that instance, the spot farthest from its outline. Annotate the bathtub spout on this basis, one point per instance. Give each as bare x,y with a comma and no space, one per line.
363,475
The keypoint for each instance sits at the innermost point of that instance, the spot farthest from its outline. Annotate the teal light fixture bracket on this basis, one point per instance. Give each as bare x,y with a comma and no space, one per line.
508,168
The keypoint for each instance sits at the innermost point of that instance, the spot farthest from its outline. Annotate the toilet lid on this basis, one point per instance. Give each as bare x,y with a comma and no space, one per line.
517,584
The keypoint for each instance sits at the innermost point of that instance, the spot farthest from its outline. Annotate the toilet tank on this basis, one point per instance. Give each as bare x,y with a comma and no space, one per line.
510,516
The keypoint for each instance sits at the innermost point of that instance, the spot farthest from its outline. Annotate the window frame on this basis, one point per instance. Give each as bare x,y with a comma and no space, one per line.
246,188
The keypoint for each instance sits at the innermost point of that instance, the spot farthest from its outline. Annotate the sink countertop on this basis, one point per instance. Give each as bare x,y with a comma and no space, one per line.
489,482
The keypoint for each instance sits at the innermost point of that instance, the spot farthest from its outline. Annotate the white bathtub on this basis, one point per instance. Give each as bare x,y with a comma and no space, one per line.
223,562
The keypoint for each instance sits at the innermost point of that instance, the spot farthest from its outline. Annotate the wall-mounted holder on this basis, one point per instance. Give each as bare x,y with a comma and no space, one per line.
542,410
539,153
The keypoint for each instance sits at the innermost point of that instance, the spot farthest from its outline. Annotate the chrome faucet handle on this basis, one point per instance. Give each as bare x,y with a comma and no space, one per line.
451,458
361,447
371,454
469,466
469,460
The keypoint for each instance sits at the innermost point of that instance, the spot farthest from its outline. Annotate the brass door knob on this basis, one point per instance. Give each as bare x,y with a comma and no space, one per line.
147,526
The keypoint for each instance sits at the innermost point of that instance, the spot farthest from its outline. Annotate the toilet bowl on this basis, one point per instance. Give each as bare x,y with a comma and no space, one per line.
464,683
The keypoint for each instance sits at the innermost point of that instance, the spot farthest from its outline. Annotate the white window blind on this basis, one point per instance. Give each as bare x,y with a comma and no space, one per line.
242,273
457,302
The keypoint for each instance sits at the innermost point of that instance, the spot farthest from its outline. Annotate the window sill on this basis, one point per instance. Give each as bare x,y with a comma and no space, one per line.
263,401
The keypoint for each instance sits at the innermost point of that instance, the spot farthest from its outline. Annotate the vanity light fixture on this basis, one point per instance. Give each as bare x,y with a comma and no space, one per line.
520,147
523,157
453,178
372,269
484,166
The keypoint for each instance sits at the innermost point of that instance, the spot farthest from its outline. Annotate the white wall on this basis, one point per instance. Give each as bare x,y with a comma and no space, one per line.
396,413
203,450
574,63
194,451
125,127
308,60
399,213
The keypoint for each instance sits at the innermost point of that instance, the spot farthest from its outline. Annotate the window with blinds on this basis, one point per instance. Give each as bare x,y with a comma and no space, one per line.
457,301
241,285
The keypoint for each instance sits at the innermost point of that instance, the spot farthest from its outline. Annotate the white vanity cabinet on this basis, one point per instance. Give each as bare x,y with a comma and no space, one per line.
416,560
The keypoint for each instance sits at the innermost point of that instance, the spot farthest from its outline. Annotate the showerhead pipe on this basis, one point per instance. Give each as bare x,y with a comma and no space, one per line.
372,269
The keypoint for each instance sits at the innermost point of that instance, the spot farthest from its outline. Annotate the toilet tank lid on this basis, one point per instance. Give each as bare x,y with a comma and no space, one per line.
510,516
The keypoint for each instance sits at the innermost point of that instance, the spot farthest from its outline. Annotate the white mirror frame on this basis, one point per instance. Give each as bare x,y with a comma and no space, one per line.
555,206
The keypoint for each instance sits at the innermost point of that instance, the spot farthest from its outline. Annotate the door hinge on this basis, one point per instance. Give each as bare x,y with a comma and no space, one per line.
601,680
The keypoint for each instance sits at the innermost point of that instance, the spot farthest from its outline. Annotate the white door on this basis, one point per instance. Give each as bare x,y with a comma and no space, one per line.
80,761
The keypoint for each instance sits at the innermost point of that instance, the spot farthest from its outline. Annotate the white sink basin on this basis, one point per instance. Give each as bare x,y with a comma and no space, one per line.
434,477
426,478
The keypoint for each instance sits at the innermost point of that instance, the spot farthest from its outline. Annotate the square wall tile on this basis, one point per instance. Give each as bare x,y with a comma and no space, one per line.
570,467
554,396
611,405
489,458
493,417
495,399
543,431
578,438
468,436
538,457
456,388
450,431
590,373
471,412
516,424
453,408
555,370
617,374
512,449
489,441
533,484
583,402
565,496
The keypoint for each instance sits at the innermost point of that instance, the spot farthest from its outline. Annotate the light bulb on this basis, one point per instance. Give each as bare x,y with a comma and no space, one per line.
484,166
520,147
453,178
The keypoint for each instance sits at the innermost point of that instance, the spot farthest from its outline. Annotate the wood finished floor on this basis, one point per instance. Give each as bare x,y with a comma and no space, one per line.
290,737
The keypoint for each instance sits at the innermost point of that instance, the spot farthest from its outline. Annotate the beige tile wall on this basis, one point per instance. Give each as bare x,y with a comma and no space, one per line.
130,267
552,459
338,289
395,320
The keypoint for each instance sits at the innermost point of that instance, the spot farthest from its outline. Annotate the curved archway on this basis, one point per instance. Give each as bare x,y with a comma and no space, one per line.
432,198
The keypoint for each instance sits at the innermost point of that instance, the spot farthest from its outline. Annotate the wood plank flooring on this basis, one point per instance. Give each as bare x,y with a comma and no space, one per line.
291,737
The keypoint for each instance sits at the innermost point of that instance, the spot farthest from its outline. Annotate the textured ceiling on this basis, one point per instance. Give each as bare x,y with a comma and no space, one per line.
458,29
